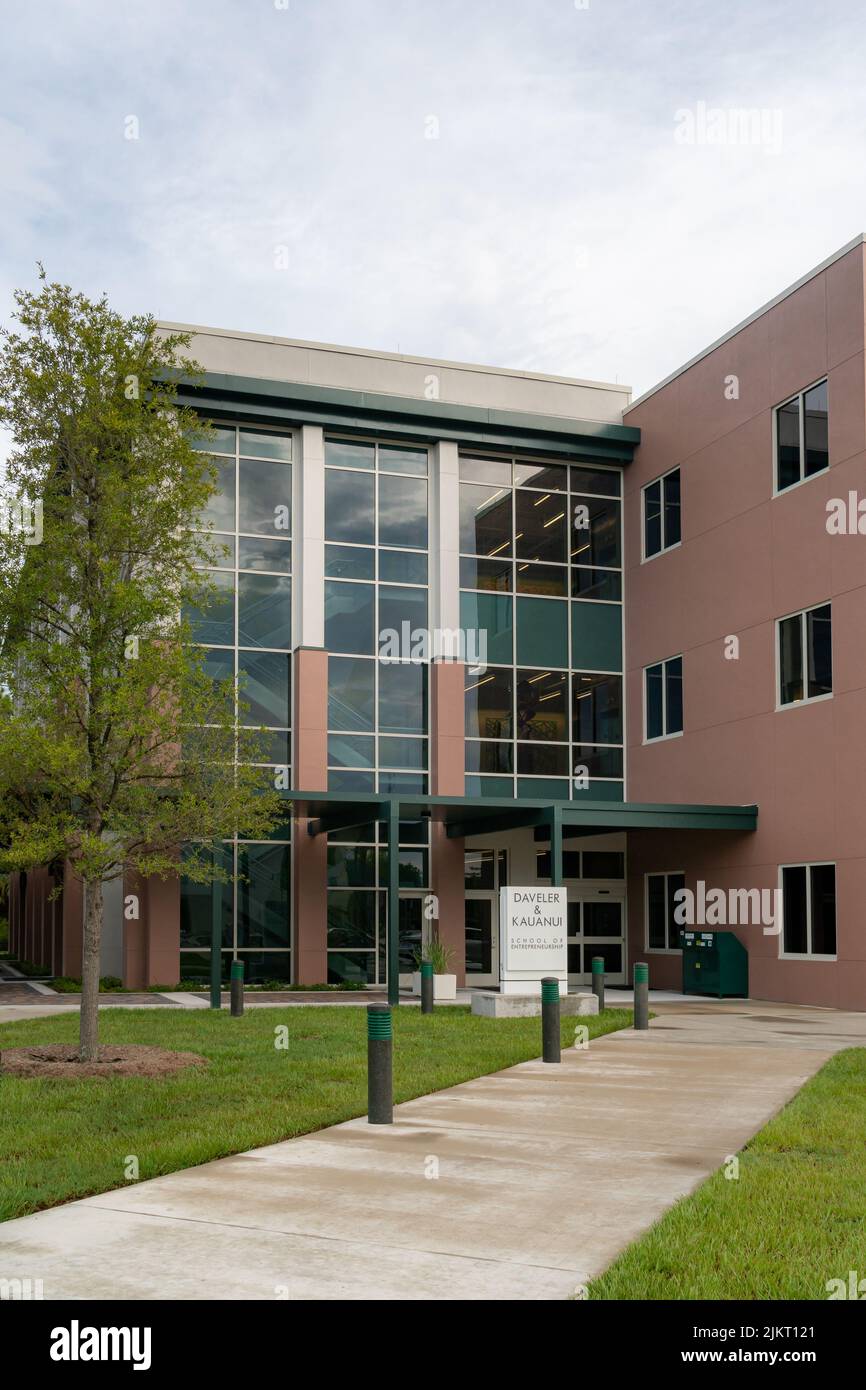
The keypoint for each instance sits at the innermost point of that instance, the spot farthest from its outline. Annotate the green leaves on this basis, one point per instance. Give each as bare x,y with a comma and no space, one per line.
115,745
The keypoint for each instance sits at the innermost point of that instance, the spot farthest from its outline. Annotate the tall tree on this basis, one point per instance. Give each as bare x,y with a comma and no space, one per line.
116,745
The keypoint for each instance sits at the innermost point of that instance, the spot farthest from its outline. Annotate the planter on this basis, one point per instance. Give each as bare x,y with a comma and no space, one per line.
444,986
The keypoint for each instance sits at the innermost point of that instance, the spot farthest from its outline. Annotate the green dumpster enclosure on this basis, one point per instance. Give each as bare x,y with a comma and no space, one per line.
715,962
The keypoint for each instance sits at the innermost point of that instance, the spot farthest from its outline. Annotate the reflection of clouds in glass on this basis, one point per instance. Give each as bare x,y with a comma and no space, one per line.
403,511
349,503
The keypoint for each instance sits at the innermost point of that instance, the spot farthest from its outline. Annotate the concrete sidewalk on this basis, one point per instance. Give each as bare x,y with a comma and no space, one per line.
520,1185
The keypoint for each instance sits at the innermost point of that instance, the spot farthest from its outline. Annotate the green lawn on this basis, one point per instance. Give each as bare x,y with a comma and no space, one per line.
63,1139
794,1219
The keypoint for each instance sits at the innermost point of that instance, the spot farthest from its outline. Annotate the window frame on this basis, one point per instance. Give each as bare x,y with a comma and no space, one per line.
378,770
801,613
807,955
664,736
665,874
519,783
665,548
800,398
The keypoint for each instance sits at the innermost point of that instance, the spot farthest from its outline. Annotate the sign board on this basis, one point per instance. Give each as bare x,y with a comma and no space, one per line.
532,938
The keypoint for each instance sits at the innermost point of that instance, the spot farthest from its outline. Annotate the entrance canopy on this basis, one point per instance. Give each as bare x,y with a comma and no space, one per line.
467,815
335,811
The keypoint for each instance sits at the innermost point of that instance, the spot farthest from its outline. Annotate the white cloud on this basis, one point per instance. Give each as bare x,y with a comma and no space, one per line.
554,224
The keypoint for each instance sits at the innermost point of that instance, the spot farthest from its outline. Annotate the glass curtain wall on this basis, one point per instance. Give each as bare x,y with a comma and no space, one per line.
376,618
246,631
541,577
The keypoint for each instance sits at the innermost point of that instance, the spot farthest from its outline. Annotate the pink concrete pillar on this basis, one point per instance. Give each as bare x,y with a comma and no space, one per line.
73,924
310,699
448,881
310,906
447,778
135,936
447,759
163,930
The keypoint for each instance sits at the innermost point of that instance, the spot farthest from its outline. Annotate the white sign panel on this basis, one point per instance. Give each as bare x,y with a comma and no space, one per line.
532,938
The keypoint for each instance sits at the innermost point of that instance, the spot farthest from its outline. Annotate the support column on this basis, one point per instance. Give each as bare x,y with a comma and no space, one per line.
447,755
310,721
556,846
392,821
73,923
308,543
163,930
134,932
309,906
448,886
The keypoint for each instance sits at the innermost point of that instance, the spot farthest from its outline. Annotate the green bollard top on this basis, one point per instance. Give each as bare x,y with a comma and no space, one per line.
641,973
426,969
237,969
378,1022
598,965
549,990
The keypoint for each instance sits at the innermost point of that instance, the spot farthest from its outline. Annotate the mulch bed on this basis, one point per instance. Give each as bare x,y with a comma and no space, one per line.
61,1059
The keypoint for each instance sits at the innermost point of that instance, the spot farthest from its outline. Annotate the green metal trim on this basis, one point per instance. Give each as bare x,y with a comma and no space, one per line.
514,812
556,846
641,973
549,991
375,412
598,965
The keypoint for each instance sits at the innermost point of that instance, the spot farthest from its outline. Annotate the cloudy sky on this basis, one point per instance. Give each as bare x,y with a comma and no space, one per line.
530,183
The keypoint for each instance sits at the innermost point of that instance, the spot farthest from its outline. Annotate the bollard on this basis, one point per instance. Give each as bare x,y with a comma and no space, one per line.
426,986
641,995
237,988
380,1095
598,980
550,1040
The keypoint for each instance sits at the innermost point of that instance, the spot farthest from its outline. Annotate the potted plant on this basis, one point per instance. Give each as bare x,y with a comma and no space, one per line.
439,956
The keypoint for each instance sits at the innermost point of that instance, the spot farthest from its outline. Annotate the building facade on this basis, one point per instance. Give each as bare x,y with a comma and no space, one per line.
505,628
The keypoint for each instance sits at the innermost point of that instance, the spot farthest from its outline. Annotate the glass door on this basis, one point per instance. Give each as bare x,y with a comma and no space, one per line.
596,927
484,875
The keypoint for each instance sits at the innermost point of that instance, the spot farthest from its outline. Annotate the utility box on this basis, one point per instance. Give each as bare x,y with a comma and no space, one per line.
715,962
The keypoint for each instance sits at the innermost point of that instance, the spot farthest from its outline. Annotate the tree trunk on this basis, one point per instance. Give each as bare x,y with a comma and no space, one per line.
89,1034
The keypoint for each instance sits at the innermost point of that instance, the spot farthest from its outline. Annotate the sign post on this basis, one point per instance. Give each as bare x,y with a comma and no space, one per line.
532,939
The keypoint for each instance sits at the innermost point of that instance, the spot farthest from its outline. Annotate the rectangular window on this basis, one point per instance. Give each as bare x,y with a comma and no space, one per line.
661,514
541,582
802,435
663,699
805,656
809,909
662,931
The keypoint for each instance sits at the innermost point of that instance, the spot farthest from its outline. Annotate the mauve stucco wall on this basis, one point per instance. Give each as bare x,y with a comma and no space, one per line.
746,559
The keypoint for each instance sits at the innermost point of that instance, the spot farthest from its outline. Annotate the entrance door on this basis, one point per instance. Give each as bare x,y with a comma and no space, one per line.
596,927
484,875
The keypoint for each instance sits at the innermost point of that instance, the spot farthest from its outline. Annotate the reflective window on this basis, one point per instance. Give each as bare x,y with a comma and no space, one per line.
350,617
485,520
351,693
663,698
350,507
802,436
264,610
661,514
805,655
809,909
265,497
264,685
